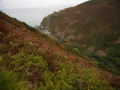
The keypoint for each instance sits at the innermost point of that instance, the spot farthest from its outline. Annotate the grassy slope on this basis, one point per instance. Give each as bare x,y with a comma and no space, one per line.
31,60
93,23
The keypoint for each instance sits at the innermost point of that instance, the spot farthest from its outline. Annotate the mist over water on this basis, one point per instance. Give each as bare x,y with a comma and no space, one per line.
32,16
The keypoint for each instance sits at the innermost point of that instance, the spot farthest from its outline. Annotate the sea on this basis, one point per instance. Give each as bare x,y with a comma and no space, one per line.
31,16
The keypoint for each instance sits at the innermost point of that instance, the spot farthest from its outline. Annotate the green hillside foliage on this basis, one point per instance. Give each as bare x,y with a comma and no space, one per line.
27,69
26,65
107,63
93,23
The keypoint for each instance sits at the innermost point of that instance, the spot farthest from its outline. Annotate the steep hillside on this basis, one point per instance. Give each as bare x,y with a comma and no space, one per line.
94,25
30,60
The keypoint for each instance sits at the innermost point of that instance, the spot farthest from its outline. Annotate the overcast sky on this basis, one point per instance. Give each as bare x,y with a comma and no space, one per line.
14,4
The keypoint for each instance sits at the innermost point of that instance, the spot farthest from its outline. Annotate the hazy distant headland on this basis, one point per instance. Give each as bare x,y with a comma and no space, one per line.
32,16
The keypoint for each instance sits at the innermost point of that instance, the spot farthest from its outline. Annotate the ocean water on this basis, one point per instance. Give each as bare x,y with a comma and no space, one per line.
32,16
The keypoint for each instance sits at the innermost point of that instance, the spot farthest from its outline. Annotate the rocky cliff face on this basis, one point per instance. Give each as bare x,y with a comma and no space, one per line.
50,19
93,25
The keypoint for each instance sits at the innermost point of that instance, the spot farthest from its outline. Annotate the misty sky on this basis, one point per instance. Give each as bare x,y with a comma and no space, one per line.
15,4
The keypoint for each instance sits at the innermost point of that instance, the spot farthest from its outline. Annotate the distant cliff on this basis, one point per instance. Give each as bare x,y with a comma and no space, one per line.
50,19
94,25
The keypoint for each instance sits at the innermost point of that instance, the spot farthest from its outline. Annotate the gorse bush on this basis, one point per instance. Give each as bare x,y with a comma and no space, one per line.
24,60
62,79
11,81
88,81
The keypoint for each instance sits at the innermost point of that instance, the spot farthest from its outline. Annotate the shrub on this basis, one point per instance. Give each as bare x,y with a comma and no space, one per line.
0,58
10,81
24,60
89,81
62,79
114,51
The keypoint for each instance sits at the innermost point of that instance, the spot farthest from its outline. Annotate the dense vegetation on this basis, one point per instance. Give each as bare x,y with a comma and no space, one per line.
24,67
93,23
28,61
88,28
107,63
